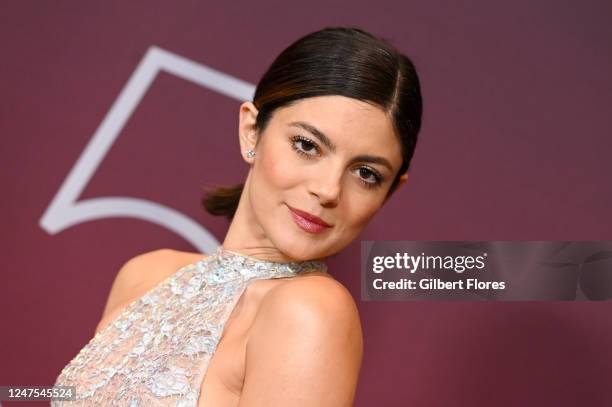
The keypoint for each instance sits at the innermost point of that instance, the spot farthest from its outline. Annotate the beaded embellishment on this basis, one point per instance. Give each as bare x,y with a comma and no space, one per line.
156,352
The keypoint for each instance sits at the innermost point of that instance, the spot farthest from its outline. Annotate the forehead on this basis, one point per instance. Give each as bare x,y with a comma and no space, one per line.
348,122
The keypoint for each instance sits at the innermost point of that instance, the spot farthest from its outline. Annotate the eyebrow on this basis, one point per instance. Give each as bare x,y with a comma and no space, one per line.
332,147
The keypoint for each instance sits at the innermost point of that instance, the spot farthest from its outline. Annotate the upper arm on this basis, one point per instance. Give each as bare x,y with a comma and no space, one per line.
304,347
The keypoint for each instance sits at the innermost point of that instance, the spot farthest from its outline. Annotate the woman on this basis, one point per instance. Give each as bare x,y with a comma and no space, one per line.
329,137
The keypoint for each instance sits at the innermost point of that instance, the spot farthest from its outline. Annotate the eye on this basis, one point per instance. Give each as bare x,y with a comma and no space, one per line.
306,146
368,176
372,177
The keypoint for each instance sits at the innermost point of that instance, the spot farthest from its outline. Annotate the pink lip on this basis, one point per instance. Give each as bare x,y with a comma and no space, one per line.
307,221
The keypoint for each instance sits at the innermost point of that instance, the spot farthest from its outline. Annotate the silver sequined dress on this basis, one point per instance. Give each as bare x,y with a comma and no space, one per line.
156,352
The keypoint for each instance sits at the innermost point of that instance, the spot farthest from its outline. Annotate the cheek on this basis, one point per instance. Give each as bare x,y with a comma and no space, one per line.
360,213
358,209
277,172
357,212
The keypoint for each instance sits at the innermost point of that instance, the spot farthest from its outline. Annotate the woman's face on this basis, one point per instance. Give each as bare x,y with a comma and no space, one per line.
331,156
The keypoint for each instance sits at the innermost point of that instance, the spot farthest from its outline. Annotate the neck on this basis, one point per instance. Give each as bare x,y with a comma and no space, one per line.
245,235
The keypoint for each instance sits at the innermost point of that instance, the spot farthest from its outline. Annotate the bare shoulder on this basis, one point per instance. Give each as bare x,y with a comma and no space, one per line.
314,296
143,272
316,303
306,344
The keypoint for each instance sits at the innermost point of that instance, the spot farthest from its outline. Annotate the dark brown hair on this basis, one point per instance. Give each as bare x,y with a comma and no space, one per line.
344,61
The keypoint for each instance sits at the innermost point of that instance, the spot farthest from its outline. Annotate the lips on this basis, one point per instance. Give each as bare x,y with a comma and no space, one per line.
309,217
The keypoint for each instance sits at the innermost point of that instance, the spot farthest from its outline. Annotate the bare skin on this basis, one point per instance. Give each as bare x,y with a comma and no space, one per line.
295,341
224,379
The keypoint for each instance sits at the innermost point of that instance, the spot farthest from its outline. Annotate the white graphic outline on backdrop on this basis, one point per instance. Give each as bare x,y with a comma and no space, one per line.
65,210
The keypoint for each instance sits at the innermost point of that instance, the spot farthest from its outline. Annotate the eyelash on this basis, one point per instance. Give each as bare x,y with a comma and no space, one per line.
307,141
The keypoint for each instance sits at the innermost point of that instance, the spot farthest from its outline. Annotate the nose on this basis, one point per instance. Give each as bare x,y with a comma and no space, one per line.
327,187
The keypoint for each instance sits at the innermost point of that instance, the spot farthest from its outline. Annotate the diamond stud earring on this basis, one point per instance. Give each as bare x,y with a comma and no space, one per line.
250,153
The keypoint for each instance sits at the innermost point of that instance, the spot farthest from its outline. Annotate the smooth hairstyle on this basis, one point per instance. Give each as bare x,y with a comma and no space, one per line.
343,61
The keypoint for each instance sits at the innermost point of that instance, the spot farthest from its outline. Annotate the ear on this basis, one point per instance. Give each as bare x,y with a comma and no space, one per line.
402,179
246,129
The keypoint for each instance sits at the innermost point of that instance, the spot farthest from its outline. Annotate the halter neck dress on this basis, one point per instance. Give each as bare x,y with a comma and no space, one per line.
156,352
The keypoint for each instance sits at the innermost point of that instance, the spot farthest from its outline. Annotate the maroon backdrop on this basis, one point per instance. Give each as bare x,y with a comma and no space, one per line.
515,146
